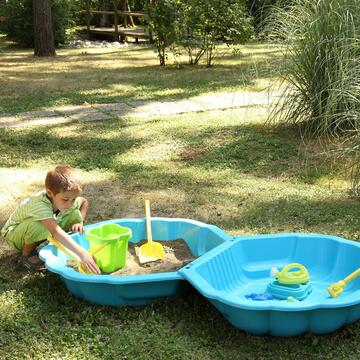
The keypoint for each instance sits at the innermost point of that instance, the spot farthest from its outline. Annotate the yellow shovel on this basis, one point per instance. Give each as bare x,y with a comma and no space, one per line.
336,289
151,251
81,267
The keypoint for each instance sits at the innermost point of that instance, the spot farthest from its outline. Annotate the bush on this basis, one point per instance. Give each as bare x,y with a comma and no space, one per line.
323,69
163,25
198,26
18,24
259,9
205,23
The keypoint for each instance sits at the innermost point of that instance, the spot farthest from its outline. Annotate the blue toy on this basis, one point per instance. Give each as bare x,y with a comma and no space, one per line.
135,290
291,282
230,271
281,291
260,296
227,269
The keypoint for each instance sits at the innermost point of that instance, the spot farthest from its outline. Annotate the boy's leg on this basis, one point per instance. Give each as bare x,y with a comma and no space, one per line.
69,219
27,235
29,248
25,238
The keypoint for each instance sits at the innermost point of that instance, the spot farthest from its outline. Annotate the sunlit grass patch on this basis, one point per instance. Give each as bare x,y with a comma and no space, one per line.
76,76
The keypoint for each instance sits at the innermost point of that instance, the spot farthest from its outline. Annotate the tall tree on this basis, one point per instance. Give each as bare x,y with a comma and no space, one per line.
43,30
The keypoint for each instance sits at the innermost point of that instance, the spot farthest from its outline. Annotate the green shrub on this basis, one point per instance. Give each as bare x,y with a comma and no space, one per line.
205,23
259,9
198,26
19,25
163,25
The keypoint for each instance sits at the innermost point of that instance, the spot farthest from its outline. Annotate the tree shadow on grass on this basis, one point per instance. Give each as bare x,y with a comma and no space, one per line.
86,150
247,148
83,83
254,149
289,213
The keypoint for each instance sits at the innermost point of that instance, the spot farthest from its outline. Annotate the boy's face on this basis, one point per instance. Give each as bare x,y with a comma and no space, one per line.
63,200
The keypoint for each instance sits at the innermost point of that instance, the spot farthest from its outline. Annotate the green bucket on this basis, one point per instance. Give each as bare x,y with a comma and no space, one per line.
112,256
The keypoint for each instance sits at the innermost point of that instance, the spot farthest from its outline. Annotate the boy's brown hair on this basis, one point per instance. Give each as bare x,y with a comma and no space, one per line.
62,178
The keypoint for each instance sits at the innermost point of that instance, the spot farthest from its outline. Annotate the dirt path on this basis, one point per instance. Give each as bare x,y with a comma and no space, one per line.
137,109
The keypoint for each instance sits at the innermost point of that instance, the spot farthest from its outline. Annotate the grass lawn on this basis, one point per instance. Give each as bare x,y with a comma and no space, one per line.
221,167
127,74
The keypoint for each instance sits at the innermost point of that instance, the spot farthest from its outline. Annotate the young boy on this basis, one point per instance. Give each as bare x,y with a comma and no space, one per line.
53,211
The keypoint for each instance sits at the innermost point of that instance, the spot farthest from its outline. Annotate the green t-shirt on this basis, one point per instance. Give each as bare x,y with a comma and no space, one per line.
36,207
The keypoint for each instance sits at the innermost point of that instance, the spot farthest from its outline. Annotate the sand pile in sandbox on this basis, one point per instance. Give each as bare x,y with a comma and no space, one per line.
177,255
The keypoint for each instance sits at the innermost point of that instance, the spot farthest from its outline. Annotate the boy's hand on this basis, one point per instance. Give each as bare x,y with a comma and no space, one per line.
60,235
89,262
78,227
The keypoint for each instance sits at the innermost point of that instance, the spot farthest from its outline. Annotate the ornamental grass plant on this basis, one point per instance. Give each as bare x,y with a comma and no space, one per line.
322,70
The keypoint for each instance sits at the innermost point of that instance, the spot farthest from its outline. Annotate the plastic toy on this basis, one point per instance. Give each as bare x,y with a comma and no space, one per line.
297,291
260,296
135,290
82,269
288,277
290,283
336,289
226,269
151,251
241,266
113,256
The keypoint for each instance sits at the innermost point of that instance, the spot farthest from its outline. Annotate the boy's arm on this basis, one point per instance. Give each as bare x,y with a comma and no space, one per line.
59,234
84,207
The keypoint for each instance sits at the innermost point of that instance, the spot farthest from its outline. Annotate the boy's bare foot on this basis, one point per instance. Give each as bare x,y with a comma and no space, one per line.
32,262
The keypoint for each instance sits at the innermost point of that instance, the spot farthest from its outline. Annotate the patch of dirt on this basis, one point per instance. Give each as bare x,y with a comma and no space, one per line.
177,255
192,153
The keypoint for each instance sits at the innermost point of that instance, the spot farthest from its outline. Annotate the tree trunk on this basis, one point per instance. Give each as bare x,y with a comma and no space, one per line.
105,18
2,7
2,4
125,18
43,29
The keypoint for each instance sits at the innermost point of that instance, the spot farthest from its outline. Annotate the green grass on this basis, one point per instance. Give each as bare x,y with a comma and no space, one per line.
76,76
221,167
241,176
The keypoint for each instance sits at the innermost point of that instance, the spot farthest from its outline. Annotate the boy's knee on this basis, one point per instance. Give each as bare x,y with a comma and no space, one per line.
28,232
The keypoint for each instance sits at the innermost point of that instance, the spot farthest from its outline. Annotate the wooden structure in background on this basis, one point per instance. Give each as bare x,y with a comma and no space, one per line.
121,30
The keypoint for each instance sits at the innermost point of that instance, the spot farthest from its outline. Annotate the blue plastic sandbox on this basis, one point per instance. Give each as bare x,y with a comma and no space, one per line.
241,266
135,290
227,269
